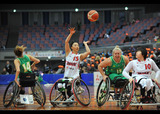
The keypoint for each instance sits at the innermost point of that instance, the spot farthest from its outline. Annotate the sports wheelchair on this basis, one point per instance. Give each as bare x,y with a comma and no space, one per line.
104,91
13,91
135,98
70,89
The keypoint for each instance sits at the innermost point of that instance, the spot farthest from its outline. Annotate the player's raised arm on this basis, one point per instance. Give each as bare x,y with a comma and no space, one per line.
85,54
67,48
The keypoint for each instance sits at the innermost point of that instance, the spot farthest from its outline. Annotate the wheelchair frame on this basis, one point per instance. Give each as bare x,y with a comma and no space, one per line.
135,101
59,99
15,94
105,93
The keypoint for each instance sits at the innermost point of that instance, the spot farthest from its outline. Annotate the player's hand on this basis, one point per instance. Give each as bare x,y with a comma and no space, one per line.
72,31
104,78
130,80
86,42
32,67
17,83
156,80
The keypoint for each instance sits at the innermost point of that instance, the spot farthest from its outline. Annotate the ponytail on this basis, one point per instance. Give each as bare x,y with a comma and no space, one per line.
18,50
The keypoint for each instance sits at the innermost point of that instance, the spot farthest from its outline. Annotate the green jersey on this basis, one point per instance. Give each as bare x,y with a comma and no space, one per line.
25,66
116,68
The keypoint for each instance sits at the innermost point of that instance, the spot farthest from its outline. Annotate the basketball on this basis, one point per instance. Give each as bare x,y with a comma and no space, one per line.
93,15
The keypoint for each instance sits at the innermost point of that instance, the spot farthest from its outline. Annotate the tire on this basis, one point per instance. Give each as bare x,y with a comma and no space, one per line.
13,86
127,94
37,91
157,93
53,94
102,92
81,92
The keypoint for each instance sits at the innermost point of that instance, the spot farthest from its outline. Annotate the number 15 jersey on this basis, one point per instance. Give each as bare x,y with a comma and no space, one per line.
72,65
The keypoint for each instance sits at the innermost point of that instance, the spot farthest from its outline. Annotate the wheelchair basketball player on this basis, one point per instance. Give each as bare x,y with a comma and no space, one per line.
115,65
72,64
142,68
22,64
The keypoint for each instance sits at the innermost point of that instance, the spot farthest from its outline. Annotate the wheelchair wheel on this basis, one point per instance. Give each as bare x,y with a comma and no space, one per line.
103,92
39,94
127,94
81,92
55,95
157,93
10,94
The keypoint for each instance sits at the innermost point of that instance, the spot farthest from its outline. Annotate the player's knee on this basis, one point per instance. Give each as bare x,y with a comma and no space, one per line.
60,85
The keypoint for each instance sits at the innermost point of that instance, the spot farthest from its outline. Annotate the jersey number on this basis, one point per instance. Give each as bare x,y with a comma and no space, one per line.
119,71
148,66
75,58
26,68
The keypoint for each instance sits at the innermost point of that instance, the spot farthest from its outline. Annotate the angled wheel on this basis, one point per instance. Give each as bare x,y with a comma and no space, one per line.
127,94
103,92
55,95
81,92
39,94
10,94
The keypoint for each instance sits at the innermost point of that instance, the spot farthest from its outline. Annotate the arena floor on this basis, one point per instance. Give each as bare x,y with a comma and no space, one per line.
48,106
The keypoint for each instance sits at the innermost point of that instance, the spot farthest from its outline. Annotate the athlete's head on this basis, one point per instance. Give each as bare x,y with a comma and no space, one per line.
74,46
117,52
18,50
141,53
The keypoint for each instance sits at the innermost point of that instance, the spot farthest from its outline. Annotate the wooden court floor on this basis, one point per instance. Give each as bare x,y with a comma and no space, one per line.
48,106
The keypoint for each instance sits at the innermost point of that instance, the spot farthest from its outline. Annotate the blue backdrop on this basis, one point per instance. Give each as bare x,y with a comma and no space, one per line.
50,78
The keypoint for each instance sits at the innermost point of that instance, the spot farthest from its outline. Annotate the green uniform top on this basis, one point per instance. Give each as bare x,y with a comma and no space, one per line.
25,66
116,68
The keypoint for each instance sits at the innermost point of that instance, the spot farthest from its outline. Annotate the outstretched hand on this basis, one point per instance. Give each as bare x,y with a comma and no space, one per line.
86,42
72,31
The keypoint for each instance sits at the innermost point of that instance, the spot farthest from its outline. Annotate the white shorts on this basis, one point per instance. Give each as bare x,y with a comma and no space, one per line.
145,82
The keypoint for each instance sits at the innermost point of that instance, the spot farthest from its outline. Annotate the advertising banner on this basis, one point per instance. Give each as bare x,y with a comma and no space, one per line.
97,78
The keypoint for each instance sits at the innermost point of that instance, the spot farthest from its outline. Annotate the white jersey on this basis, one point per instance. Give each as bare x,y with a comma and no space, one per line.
141,68
72,65
142,71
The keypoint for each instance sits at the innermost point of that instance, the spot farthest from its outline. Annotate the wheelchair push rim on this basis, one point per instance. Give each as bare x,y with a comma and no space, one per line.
102,93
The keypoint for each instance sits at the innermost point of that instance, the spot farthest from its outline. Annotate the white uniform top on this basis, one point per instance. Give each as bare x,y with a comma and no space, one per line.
72,65
141,69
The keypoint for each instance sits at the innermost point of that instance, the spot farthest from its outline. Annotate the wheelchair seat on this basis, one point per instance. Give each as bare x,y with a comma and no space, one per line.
119,82
27,79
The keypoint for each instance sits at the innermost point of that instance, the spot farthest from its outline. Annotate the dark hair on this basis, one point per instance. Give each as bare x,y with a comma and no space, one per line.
72,42
143,50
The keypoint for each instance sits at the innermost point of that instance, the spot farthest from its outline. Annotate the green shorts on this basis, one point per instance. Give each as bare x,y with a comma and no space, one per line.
119,81
113,75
